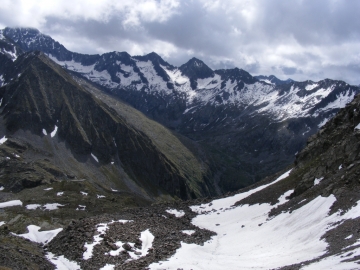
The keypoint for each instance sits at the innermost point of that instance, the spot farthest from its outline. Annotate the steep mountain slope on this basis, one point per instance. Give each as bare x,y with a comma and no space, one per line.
252,127
61,129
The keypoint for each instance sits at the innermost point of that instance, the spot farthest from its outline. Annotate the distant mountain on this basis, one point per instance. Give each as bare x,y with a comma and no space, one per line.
250,126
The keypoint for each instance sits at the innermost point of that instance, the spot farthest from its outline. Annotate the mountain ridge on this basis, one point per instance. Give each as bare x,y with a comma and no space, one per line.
215,108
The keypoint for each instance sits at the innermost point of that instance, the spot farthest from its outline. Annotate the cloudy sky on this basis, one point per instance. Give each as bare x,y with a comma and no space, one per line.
300,39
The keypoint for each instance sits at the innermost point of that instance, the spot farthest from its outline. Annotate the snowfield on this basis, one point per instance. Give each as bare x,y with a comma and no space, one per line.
247,239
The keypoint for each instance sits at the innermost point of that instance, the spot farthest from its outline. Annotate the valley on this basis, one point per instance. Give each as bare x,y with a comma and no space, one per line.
116,161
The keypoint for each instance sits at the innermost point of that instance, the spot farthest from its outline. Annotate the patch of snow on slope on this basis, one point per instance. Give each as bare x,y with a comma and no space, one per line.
52,206
2,140
2,223
94,157
43,237
155,81
32,206
74,66
44,131
188,232
52,134
289,104
318,180
61,263
132,75
229,201
81,208
108,267
2,188
11,203
310,87
147,239
209,83
267,81
176,213
323,122
357,127
340,101
282,199
247,239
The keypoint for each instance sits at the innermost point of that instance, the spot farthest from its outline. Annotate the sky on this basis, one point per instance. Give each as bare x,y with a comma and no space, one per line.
298,39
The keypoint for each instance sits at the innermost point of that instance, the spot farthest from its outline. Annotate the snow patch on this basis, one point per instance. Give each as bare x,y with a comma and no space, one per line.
108,267
2,223
33,206
94,157
100,196
282,199
1,188
188,232
318,180
349,237
11,203
81,207
62,263
84,193
176,213
147,239
44,131
50,188
34,235
340,167
2,140
52,206
357,127
60,193
311,86
52,134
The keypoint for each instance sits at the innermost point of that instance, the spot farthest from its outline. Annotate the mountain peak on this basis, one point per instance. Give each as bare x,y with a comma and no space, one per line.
196,69
154,58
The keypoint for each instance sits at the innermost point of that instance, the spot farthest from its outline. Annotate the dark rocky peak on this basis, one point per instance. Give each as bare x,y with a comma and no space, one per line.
236,74
111,59
9,51
196,69
155,59
30,39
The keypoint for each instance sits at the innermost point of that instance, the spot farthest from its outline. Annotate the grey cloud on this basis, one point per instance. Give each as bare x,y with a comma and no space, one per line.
318,29
290,70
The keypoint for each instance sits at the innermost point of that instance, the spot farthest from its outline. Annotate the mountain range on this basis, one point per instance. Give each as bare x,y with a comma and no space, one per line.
129,156
251,126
